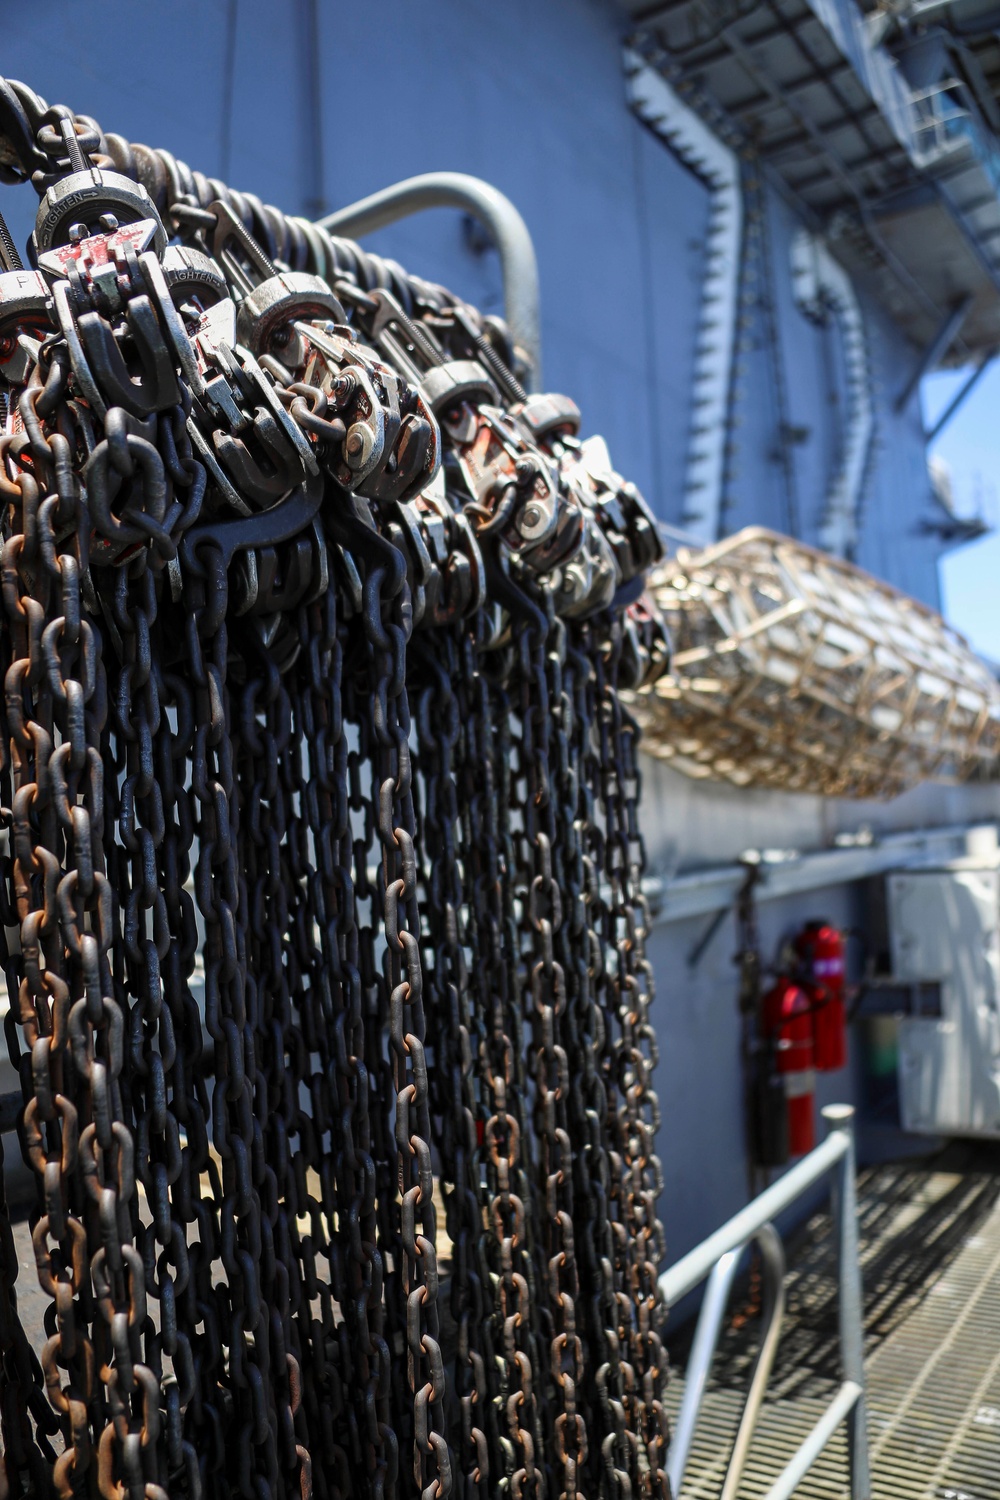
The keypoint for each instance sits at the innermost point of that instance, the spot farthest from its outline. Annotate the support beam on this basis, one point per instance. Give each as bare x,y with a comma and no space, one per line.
310,111
825,151
822,287
653,13
819,140
694,143
936,349
960,395
791,873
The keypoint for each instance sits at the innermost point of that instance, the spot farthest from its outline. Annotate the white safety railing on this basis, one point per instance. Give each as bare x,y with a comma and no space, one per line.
717,1259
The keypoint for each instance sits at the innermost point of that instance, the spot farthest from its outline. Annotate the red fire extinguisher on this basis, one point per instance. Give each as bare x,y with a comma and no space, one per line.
820,950
787,1020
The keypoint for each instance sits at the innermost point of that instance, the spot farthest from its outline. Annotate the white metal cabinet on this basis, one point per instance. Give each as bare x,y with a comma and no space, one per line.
944,926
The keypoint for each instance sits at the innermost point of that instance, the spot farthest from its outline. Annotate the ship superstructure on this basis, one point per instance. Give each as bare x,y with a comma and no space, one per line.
869,164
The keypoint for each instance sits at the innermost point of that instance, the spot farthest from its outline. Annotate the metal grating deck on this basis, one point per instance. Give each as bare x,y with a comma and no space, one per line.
930,1244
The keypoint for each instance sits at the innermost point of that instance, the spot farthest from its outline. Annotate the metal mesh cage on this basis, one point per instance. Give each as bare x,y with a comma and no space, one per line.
794,669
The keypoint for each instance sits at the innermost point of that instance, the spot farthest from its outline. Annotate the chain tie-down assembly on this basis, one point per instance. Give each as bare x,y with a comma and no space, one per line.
322,908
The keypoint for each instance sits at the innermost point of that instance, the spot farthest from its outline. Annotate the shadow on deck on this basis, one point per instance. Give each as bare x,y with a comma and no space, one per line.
930,1259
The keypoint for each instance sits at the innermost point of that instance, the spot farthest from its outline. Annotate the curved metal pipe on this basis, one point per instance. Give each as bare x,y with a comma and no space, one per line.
497,215
718,167
773,1261
692,1268
820,285
713,1310
718,1258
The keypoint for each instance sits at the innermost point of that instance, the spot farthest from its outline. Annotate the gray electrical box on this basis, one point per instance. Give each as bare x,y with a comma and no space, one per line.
944,927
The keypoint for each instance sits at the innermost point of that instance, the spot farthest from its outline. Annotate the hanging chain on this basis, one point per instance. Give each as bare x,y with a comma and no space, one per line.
287,971
633,1058
460,1035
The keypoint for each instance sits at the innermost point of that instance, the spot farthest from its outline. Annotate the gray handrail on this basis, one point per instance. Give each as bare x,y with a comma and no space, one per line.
845,1404
703,1352
497,215
699,1364
773,1262
692,1268
718,1258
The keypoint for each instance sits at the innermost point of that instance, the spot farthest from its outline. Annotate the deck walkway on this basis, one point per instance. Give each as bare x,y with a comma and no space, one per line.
930,1243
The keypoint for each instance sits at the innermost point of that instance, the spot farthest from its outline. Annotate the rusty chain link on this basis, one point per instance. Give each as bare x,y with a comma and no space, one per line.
289,974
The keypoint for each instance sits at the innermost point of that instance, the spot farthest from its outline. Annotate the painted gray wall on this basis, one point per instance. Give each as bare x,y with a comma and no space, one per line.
699,1076
696,824
531,97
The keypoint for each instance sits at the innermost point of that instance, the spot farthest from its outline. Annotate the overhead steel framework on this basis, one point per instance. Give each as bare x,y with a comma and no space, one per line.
901,180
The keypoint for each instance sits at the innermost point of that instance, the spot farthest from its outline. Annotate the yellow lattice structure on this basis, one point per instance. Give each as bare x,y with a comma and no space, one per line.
794,669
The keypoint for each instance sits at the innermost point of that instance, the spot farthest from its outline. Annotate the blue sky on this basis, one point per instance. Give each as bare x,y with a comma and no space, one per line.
970,446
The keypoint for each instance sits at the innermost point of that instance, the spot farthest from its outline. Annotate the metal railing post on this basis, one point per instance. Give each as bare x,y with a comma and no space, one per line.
773,1270
717,1257
699,1365
840,1118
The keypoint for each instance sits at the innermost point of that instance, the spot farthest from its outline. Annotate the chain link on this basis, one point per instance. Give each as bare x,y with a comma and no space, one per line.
289,972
